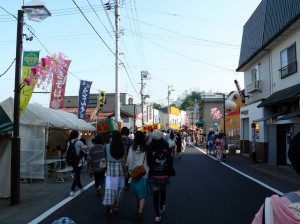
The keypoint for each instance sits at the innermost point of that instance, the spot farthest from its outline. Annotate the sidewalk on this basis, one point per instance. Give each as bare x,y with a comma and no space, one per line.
38,197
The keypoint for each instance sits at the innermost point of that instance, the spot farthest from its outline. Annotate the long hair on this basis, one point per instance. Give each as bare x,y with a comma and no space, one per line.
139,140
117,150
172,136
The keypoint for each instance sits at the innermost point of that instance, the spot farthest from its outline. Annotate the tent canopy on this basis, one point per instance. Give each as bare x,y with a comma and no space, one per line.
37,115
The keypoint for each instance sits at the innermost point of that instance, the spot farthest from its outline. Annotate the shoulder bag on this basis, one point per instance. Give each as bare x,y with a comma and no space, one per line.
103,161
139,171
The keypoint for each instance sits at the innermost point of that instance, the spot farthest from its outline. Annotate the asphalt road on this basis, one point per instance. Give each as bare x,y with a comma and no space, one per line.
203,191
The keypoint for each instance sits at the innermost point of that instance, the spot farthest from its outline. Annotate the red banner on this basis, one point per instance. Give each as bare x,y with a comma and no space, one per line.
58,87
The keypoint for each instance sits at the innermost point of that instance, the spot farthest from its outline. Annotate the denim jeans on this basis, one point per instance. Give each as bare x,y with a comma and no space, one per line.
76,181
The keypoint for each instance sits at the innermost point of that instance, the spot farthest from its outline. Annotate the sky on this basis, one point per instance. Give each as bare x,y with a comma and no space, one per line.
184,46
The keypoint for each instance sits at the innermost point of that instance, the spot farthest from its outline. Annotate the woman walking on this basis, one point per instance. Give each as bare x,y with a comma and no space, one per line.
178,145
211,142
136,157
172,143
115,174
79,148
160,164
96,153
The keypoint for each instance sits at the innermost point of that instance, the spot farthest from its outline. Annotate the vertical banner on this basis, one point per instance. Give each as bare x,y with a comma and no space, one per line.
30,59
100,101
83,98
58,87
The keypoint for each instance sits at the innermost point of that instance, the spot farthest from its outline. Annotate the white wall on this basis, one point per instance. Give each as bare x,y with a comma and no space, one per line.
278,83
254,113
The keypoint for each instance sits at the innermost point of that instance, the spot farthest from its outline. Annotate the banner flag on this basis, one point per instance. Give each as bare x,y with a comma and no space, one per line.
30,59
59,87
83,98
100,101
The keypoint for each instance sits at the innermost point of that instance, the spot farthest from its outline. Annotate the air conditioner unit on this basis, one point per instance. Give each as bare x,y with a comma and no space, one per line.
253,86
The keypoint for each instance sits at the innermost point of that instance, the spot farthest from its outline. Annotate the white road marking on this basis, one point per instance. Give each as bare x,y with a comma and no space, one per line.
243,174
57,206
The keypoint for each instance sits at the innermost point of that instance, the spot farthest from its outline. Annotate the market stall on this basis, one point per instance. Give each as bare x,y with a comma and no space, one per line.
36,123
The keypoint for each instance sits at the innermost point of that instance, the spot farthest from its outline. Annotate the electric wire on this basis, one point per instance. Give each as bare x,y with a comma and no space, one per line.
8,68
93,27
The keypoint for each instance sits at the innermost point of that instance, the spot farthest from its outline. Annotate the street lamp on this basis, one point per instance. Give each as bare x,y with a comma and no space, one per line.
35,11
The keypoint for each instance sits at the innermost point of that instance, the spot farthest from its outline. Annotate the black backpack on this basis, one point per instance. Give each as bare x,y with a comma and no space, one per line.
72,158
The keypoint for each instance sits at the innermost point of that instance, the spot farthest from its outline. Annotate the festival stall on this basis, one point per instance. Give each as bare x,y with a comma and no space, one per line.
106,126
36,123
147,128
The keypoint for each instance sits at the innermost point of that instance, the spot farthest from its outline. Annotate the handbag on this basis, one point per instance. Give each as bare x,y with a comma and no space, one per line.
103,162
171,143
139,171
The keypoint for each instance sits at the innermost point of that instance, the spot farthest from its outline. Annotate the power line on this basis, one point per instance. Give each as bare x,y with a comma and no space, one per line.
8,68
93,27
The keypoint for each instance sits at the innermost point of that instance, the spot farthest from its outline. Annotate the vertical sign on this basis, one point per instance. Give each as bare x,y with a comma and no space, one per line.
30,59
58,87
83,98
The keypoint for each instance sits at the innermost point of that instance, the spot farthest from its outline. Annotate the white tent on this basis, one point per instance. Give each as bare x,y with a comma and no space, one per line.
35,122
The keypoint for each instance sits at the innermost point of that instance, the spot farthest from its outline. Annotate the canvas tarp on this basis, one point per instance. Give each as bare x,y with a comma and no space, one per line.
34,122
37,115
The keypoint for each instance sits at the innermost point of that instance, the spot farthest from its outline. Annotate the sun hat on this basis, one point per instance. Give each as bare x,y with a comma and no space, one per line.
157,135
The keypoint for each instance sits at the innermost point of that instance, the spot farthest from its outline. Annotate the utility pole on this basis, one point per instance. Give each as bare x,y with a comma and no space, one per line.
144,75
117,94
170,89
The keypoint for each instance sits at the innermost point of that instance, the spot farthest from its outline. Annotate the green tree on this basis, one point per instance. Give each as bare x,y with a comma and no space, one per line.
156,106
187,100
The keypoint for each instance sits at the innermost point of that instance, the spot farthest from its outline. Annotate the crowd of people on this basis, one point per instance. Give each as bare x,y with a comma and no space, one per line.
122,152
155,151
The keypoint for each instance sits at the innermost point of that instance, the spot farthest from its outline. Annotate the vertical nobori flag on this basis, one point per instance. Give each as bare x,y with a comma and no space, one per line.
83,98
59,86
30,59
100,101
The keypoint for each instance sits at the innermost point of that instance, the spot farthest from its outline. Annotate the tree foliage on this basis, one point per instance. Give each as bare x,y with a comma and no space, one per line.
187,100
156,106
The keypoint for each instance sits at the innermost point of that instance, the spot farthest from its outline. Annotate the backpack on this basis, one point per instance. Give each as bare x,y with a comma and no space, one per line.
72,158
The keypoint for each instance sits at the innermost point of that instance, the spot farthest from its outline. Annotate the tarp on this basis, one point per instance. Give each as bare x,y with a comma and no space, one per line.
106,126
37,115
34,122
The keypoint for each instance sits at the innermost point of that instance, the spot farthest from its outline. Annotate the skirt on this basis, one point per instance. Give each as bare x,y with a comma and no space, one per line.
140,188
159,181
114,183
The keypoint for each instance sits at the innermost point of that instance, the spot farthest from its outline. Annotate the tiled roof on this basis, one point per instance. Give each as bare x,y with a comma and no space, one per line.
89,113
270,19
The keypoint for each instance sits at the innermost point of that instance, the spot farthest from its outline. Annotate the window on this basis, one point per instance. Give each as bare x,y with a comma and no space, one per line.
255,73
288,61
93,102
125,119
254,83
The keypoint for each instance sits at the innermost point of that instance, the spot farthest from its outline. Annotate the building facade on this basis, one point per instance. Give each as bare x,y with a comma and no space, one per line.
268,58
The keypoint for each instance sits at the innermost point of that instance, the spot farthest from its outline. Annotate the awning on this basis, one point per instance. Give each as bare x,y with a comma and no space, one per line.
267,118
6,125
289,116
282,96
199,123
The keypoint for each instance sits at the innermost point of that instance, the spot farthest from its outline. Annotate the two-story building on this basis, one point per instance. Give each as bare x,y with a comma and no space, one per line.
268,58
209,101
